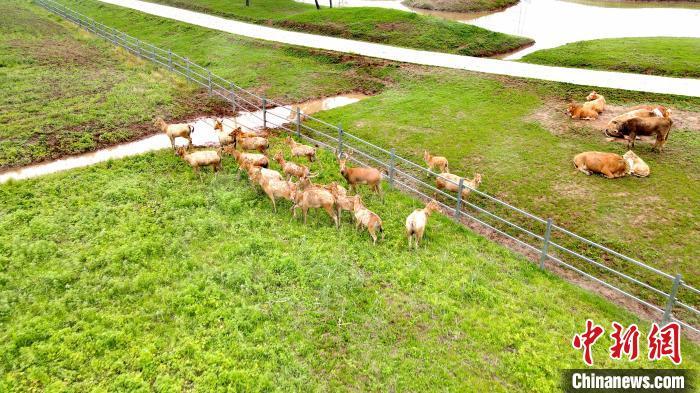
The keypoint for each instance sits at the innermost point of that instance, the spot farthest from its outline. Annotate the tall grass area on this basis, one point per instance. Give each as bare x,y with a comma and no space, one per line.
666,56
65,92
137,275
371,24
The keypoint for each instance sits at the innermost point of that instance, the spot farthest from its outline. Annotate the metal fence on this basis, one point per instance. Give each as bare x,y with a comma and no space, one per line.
664,296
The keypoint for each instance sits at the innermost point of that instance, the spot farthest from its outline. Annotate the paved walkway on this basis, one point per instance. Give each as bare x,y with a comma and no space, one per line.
616,80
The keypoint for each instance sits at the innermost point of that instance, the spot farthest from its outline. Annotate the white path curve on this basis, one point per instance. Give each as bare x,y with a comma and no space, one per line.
606,79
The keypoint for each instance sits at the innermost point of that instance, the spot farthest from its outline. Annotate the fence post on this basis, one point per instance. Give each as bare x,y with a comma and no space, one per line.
138,47
545,243
340,140
264,110
170,59
209,76
233,98
671,300
298,122
392,163
187,71
458,206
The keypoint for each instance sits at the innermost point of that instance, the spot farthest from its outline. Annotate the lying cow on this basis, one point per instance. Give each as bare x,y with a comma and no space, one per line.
612,128
647,126
596,101
611,165
586,111
637,166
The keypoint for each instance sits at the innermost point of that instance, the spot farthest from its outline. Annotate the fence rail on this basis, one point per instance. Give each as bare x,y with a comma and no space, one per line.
662,294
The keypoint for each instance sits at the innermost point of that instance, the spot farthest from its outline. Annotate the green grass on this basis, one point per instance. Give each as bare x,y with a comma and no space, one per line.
386,26
482,125
666,56
461,5
135,275
68,92
64,92
284,73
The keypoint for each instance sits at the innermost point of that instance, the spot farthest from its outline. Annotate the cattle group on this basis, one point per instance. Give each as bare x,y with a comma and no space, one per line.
642,120
249,149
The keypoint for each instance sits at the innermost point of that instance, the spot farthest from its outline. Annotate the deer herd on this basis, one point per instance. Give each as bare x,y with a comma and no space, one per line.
642,120
304,195
334,198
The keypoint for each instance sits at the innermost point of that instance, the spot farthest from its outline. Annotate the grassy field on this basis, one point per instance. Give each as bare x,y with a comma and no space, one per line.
667,56
372,24
483,124
461,5
135,275
463,118
284,73
64,92
69,92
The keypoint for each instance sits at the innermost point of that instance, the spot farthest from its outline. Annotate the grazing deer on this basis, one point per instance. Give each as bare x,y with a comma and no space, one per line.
310,196
450,182
250,143
278,188
175,130
436,162
199,159
301,150
354,176
342,201
366,218
292,169
417,221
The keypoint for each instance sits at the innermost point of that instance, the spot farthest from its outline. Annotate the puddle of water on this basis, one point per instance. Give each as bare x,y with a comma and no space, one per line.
323,104
204,135
553,23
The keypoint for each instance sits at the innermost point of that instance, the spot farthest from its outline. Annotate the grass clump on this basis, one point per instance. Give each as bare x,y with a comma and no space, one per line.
134,274
665,56
461,5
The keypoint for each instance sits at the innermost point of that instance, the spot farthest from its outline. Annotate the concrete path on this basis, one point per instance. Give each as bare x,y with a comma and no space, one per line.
605,79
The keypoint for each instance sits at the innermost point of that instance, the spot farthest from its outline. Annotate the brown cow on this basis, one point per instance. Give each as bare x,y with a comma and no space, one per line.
613,127
584,112
610,165
659,126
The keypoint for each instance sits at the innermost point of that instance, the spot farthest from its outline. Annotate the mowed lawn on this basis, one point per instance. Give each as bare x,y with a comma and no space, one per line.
136,275
64,92
386,26
666,56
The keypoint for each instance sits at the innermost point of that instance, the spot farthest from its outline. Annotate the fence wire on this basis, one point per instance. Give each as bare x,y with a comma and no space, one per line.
667,295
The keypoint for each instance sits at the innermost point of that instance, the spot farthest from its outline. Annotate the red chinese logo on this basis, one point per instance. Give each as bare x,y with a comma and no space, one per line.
625,342
665,342
586,340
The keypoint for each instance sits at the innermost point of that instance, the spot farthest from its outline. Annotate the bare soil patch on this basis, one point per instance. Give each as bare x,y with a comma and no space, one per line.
552,115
